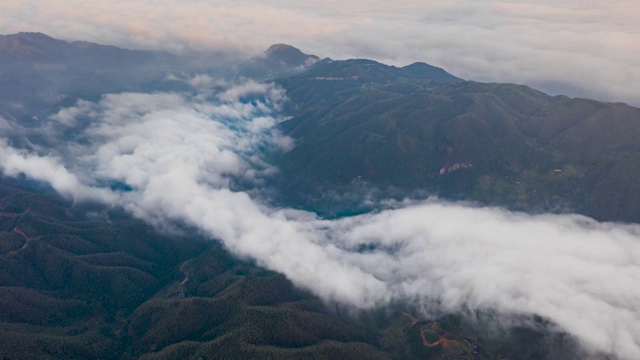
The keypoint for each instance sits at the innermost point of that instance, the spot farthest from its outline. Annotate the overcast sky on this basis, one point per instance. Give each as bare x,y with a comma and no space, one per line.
583,48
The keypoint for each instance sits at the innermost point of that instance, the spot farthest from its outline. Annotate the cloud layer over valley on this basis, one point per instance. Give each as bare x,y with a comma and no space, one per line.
175,158
574,47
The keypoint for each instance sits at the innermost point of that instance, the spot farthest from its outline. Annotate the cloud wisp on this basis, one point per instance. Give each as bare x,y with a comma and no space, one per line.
180,155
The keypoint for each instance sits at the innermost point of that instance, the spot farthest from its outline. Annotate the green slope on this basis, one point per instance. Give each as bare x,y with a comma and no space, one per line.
500,144
82,283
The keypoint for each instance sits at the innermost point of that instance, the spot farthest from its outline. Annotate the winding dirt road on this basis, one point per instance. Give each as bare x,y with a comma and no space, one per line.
16,230
24,246
183,284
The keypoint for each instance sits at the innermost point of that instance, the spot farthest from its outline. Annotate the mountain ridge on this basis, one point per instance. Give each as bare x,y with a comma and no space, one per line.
498,144
34,47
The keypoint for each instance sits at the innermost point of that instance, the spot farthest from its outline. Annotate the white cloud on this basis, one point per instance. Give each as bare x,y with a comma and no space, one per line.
179,154
49,169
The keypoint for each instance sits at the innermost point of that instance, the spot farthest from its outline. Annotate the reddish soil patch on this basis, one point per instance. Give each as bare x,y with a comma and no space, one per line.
446,343
24,246
413,319
9,214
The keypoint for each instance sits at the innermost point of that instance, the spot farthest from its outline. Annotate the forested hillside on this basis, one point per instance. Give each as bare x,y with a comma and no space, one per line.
366,124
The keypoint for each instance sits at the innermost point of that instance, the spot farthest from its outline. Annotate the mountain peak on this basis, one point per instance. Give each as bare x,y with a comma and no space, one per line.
29,38
30,46
30,34
289,55
420,70
281,47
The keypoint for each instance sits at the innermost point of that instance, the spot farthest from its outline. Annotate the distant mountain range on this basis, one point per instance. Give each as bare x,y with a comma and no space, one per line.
360,124
37,48
40,74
